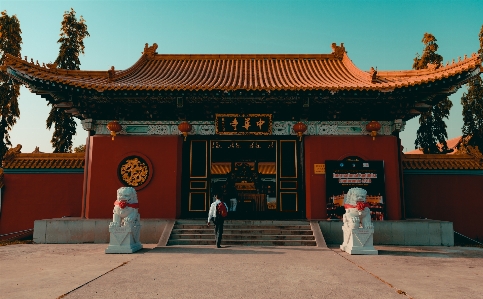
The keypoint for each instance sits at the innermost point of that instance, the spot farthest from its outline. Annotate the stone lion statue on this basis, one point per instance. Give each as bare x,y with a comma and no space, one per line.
357,213
357,228
125,208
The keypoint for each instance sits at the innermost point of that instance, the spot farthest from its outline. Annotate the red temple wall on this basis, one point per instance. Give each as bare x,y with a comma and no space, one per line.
160,198
29,197
318,149
446,197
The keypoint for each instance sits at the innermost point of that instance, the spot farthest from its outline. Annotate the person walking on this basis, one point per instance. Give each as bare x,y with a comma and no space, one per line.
218,212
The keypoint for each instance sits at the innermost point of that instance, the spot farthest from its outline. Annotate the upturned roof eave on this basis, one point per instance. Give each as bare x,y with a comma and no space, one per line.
99,87
100,80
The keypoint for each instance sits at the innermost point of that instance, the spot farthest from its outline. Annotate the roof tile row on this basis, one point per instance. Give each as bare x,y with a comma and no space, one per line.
241,72
440,162
410,162
46,161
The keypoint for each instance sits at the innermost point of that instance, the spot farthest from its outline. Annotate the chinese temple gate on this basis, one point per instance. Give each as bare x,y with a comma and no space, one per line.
258,129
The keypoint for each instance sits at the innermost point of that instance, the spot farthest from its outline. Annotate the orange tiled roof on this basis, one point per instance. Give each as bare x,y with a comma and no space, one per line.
46,161
268,72
440,162
451,143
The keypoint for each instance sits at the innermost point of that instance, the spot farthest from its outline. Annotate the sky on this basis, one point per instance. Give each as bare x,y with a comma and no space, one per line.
384,34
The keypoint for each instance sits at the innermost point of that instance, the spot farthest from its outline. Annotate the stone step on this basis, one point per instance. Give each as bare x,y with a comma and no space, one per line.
246,222
244,232
243,242
236,226
247,231
227,237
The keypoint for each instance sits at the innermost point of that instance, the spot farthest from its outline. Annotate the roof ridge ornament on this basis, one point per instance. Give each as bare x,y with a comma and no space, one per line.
472,151
51,65
37,151
475,153
111,73
338,51
373,74
12,153
150,51
433,66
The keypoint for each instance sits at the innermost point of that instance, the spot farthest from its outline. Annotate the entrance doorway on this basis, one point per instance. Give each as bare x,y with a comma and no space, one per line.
258,178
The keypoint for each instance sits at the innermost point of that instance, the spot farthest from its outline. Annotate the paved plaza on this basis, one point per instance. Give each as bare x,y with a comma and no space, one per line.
85,271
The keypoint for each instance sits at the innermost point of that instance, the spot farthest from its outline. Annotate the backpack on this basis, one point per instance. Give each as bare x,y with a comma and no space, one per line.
221,210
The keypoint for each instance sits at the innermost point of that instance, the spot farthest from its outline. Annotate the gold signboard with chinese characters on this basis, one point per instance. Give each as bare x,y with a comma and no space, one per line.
243,124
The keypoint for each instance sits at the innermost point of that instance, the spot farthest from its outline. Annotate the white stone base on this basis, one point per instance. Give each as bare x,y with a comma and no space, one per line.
356,250
124,249
358,241
124,239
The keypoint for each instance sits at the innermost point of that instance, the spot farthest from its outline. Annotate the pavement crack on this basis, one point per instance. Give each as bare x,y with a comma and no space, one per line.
62,296
401,292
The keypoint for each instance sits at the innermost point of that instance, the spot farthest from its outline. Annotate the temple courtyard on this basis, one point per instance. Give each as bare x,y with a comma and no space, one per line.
85,271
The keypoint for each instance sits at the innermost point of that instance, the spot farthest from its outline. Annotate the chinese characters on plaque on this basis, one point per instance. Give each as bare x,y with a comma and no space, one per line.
243,124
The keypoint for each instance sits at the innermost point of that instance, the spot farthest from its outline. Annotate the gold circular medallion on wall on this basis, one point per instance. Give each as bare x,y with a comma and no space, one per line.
134,171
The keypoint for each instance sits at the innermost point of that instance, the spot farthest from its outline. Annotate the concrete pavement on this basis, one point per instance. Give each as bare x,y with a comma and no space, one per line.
85,271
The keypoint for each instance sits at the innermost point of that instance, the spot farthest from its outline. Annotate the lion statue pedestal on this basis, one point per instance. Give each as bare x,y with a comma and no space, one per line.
357,227
125,226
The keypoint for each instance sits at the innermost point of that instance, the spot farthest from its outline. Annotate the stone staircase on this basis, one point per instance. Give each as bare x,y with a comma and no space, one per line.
244,232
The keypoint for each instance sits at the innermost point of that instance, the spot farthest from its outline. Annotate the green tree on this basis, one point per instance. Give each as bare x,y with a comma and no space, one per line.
472,102
10,41
72,34
432,128
80,149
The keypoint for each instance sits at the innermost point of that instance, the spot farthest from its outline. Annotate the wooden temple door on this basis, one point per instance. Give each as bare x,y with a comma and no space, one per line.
195,182
278,196
290,189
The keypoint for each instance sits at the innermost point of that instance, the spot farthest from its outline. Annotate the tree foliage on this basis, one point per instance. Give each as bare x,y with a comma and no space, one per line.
10,41
472,102
72,34
80,149
432,128
429,53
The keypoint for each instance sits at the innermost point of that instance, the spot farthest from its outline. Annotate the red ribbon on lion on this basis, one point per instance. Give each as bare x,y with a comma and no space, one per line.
360,206
122,204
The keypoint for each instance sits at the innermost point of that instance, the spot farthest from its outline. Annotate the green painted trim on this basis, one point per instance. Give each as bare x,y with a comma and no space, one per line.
443,172
137,129
42,170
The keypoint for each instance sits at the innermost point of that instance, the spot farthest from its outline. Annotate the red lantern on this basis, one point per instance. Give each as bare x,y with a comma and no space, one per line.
114,127
299,128
373,127
185,128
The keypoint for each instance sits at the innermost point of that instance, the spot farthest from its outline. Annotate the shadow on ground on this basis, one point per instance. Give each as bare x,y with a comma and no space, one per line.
427,251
